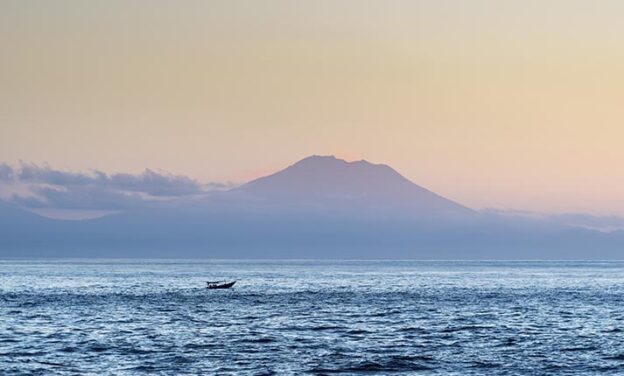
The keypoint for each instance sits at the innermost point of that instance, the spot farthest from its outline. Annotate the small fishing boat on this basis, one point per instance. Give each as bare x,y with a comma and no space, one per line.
219,284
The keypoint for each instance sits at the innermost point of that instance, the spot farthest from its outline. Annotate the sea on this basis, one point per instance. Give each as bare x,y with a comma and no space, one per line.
298,317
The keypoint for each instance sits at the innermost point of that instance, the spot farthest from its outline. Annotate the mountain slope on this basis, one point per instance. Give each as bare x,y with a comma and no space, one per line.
330,182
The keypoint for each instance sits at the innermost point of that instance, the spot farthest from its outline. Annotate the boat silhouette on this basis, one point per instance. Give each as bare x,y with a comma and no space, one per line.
219,284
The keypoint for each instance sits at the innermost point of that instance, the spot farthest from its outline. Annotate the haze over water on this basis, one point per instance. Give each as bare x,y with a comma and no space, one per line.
127,317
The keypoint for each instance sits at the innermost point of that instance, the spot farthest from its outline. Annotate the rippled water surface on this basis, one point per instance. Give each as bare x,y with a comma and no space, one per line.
123,317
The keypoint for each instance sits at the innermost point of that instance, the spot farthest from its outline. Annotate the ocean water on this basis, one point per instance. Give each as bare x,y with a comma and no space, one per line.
130,317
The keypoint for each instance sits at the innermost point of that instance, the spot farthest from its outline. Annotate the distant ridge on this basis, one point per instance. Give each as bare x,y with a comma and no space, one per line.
327,180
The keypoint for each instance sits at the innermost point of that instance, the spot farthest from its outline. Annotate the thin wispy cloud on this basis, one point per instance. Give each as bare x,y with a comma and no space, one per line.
582,220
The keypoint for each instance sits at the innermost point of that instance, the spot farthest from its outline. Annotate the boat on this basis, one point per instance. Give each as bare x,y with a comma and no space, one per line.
219,284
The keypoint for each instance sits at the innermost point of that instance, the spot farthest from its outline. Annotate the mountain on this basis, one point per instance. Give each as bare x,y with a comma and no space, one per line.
320,207
330,183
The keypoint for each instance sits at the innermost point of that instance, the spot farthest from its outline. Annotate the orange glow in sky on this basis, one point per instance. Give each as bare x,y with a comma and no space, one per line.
514,104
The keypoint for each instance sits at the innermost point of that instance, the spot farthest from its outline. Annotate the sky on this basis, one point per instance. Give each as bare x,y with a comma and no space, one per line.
514,104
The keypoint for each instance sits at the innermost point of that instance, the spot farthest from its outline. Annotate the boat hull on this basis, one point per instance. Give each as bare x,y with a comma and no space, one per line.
221,286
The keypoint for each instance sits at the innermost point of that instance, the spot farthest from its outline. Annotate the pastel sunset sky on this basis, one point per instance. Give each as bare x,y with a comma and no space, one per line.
507,104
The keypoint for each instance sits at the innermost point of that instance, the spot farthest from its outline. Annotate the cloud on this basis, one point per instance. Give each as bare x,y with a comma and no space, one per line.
601,223
45,187
79,197
587,221
6,172
149,181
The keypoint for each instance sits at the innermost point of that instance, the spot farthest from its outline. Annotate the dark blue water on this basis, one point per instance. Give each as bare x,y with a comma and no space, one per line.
73,317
